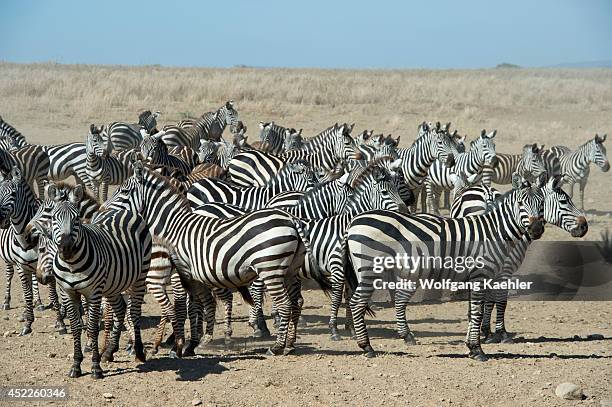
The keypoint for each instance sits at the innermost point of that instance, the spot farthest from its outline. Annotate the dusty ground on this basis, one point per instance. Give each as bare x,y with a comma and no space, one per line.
551,107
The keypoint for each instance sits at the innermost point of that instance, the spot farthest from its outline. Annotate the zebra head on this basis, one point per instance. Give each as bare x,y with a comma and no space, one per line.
532,163
293,140
66,223
597,153
148,120
94,144
16,201
229,115
528,205
561,211
375,187
423,129
387,147
364,138
440,144
485,148
208,151
299,176
270,140
46,255
153,146
345,146
459,141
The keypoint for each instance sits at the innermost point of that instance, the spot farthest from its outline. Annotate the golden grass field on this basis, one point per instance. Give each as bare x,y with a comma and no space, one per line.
51,103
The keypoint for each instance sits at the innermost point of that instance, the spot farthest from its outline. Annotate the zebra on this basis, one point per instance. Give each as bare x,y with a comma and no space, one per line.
559,210
293,177
154,148
67,160
482,152
224,253
121,136
102,168
15,150
117,246
575,165
380,233
210,126
17,206
273,137
255,168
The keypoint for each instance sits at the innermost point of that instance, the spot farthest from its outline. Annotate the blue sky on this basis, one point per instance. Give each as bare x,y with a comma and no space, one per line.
309,33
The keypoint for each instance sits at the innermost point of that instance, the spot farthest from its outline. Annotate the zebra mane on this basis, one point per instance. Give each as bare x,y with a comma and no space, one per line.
286,169
313,193
323,134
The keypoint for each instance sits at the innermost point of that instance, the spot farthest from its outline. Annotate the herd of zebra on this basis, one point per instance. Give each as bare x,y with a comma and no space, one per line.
209,217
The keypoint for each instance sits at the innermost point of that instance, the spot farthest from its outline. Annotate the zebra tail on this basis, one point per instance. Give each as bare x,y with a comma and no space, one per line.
246,295
317,273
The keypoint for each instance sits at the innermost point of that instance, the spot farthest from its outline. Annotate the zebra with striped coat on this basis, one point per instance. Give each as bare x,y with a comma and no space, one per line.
273,137
155,150
224,253
575,165
210,127
376,234
293,177
117,246
32,160
482,152
559,210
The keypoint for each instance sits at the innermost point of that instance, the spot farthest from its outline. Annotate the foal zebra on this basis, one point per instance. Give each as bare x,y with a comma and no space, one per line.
224,253
575,165
153,148
103,258
379,234
210,127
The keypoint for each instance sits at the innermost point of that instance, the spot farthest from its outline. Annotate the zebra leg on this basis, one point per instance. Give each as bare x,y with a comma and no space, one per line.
36,295
10,271
485,329
26,284
275,316
198,296
72,307
227,298
447,200
337,283
402,297
104,191
158,291
473,334
93,329
134,306
349,325
274,281
297,301
179,296
107,317
359,303
119,310
257,321
501,302
210,309
55,303
582,184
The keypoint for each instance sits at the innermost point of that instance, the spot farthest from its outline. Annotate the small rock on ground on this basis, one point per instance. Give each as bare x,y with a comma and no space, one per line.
569,391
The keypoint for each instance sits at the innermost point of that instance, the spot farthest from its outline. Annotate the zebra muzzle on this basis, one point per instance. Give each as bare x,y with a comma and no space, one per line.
535,228
582,227
606,166
494,162
450,160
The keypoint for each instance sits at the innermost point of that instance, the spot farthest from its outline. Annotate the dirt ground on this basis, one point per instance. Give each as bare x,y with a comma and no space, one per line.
552,344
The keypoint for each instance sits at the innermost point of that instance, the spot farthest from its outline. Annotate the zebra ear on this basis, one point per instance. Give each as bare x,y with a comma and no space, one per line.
262,125
51,190
76,195
16,174
92,128
492,134
344,178
437,126
396,164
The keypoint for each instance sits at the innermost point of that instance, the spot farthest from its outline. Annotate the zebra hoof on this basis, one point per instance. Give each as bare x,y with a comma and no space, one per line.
87,348
493,338
107,357
257,333
506,338
275,351
289,350
190,349
368,351
170,340
75,371
62,331
40,307
140,356
335,337
409,339
6,306
480,357
97,373
25,331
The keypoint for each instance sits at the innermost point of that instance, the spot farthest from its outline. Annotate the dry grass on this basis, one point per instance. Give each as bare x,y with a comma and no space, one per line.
70,96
